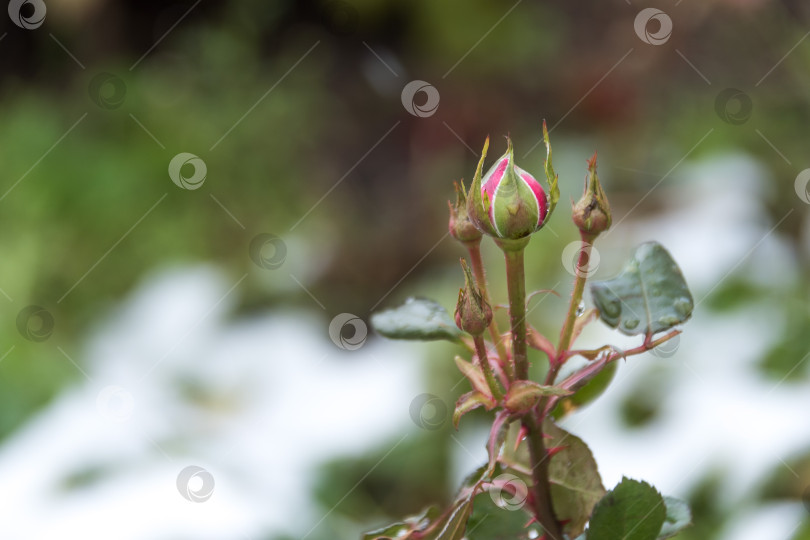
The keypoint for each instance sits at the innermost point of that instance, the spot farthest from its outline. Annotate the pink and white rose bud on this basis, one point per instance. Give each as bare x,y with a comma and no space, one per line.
508,202
518,203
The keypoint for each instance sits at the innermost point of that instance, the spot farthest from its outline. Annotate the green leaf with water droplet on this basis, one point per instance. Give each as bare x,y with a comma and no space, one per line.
417,319
650,295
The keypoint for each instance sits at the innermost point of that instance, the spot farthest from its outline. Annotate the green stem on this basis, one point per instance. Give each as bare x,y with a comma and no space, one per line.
536,446
516,283
481,351
567,332
542,489
474,250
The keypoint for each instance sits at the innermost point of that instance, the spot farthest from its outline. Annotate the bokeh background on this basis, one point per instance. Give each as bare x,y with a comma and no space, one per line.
163,313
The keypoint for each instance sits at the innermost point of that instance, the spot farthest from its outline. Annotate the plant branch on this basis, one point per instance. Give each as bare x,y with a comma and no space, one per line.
542,489
581,271
474,250
539,458
486,369
516,283
578,379
567,332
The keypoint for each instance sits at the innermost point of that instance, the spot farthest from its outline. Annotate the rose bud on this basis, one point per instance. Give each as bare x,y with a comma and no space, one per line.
461,227
592,212
508,202
473,313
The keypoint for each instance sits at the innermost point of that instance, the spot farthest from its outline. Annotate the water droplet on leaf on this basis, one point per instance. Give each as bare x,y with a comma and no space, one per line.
683,306
630,323
612,308
580,309
668,320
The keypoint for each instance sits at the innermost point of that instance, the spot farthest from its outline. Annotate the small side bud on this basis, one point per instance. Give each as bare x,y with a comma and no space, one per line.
592,212
461,226
473,313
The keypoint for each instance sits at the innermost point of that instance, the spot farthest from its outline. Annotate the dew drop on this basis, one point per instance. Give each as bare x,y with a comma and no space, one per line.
668,320
580,309
612,308
683,306
630,323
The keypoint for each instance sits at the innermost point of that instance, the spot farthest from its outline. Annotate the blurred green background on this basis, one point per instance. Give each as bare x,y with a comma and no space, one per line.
296,109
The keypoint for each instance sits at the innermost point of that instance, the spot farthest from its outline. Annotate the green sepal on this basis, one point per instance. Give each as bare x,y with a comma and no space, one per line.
553,192
477,206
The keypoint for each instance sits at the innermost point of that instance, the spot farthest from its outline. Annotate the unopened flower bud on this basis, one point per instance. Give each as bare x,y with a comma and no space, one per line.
508,202
461,227
473,313
592,212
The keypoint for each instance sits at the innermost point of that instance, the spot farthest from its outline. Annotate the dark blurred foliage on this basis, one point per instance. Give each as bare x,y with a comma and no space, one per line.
314,145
